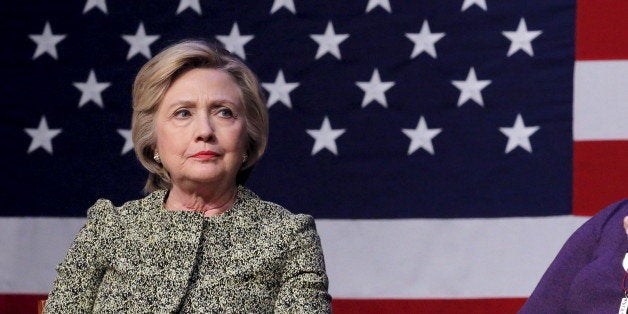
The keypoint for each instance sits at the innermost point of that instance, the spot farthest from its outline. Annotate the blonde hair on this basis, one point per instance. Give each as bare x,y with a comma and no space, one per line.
158,74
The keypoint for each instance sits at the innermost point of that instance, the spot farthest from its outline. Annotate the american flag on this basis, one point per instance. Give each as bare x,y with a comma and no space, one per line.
445,148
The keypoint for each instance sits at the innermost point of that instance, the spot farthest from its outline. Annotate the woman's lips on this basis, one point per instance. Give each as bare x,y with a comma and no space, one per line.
207,154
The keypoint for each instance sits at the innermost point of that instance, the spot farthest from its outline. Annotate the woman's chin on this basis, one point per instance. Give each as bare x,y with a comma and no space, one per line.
205,179
200,177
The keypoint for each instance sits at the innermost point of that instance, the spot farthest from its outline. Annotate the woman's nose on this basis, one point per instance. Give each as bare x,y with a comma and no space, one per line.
204,129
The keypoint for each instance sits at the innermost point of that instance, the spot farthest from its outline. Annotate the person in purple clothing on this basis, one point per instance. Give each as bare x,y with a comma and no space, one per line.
587,275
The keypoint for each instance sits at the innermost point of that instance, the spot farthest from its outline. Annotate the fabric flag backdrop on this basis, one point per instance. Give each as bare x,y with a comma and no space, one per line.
446,148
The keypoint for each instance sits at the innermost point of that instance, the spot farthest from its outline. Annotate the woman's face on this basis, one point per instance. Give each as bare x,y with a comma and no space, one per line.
200,128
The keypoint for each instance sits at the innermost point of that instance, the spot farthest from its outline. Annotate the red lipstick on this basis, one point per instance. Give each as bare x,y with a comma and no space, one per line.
205,154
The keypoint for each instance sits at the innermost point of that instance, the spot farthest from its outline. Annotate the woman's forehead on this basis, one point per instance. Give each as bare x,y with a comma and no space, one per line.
204,84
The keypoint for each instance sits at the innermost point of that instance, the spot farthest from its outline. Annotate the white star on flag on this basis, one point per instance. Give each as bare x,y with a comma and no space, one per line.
235,42
468,3
421,137
128,141
46,42
519,135
329,41
424,41
375,89
140,42
325,137
521,39
278,4
385,4
280,90
91,90
42,136
192,4
90,4
471,88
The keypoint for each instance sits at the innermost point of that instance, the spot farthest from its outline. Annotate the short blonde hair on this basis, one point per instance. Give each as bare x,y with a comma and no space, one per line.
158,74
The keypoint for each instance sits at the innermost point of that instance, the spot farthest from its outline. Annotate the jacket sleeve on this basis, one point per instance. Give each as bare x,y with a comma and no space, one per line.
80,273
304,282
552,293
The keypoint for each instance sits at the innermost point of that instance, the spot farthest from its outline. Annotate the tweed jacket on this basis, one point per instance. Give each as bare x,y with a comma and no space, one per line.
256,257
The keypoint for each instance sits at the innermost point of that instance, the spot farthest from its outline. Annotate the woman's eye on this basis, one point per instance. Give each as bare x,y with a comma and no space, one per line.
182,113
225,113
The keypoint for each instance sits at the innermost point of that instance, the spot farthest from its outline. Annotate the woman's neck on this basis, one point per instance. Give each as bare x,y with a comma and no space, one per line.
210,201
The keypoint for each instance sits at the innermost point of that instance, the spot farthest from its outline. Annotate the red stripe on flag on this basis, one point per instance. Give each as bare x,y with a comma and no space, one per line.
20,303
27,304
600,175
485,306
601,30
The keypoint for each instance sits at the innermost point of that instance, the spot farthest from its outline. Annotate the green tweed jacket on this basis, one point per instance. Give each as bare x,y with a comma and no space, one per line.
141,258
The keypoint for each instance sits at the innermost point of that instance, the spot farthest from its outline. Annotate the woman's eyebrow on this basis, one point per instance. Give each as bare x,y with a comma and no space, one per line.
193,103
222,102
185,103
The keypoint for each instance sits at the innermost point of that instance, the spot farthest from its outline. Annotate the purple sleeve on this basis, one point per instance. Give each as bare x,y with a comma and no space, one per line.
553,294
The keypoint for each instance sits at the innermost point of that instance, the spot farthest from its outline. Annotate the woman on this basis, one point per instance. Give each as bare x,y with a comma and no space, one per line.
199,242
589,273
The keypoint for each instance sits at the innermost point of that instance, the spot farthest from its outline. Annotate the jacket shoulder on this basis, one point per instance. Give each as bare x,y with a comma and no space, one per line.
278,220
149,203
272,213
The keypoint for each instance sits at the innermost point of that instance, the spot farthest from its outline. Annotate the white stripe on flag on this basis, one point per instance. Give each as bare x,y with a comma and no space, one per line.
441,258
406,258
31,248
600,100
